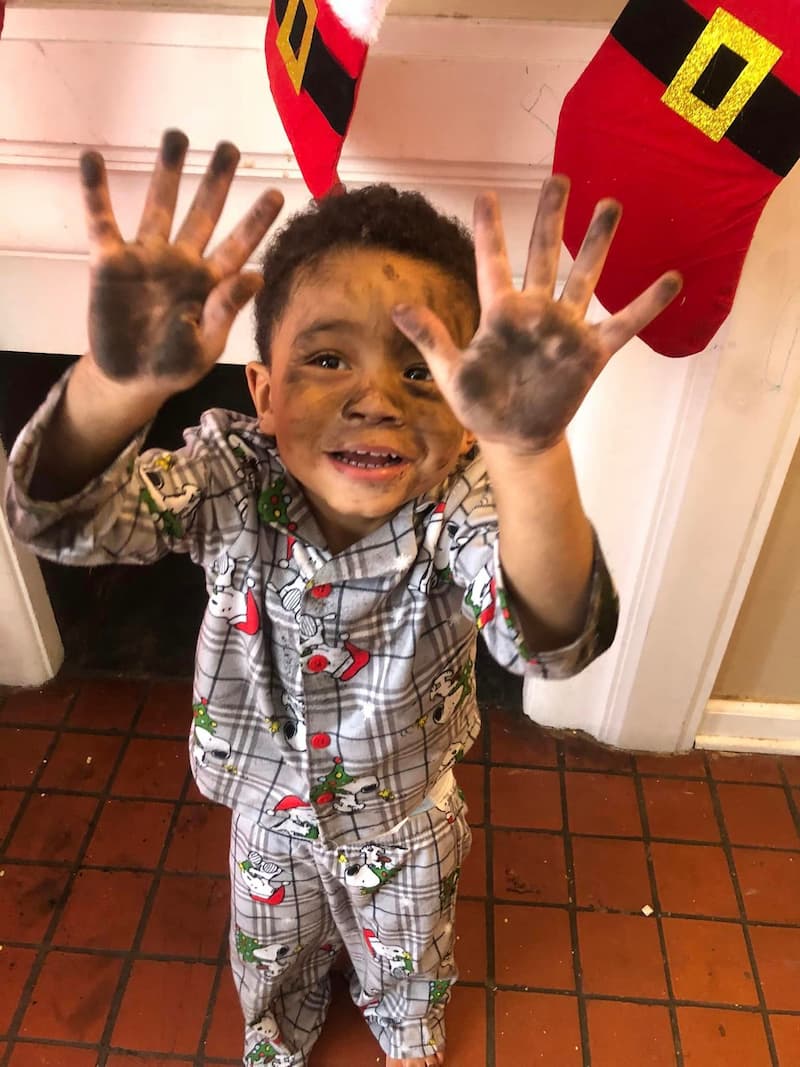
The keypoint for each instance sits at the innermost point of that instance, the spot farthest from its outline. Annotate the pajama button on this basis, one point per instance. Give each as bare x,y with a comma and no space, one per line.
320,740
319,592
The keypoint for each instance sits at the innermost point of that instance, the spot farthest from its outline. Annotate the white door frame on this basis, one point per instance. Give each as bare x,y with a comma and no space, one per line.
718,485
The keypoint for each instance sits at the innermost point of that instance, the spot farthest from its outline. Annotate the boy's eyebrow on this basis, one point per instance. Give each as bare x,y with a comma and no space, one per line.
326,326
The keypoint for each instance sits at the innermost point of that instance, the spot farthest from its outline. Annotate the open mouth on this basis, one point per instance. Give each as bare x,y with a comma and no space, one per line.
368,460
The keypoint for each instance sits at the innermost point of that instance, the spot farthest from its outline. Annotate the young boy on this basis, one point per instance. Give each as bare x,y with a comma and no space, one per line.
354,540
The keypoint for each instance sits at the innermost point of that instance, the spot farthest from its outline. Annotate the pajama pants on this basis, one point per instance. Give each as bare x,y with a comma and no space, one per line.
390,902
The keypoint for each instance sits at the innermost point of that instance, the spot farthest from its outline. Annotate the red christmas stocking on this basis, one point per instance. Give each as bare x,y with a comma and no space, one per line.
316,51
689,114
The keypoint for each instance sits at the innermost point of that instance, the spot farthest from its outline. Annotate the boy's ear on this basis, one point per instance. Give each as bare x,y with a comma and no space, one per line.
259,382
468,443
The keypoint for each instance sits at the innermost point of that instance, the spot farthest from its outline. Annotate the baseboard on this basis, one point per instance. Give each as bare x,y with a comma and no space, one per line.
750,726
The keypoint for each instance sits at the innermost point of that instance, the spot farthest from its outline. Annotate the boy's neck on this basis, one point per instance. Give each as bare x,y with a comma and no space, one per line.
343,531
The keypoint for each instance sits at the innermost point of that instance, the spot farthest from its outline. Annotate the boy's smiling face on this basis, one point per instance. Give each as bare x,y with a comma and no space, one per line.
358,419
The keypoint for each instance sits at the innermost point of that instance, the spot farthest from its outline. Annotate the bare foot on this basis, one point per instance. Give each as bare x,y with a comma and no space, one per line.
434,1059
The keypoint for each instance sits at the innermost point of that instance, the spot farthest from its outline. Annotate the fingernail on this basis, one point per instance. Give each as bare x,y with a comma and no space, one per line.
173,147
91,169
225,158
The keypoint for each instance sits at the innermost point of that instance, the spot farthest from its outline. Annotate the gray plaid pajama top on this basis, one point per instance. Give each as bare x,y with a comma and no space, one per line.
331,693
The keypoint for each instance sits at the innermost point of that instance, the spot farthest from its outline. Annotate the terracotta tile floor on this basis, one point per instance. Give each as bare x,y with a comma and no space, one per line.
113,899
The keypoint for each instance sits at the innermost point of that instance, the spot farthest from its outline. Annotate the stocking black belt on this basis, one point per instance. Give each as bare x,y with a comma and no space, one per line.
323,77
663,36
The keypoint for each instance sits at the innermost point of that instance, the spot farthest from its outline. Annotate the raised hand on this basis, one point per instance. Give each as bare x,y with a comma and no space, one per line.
533,359
160,312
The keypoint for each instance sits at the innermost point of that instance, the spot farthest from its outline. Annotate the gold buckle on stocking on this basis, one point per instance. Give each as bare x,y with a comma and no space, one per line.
296,62
760,54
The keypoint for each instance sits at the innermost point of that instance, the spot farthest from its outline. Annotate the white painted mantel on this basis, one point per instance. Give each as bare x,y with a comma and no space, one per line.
680,462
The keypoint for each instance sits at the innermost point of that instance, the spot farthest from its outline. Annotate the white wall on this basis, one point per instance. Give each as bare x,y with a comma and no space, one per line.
30,645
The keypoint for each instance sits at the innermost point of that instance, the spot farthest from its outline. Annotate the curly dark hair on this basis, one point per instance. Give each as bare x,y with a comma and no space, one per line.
377,216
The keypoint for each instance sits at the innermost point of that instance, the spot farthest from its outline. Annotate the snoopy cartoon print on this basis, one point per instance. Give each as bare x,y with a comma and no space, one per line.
434,554
395,957
170,509
238,607
267,1028
294,725
296,818
245,482
456,751
317,656
342,661
481,597
266,1052
449,690
345,793
301,564
269,1048
206,741
272,959
260,877
376,868
247,471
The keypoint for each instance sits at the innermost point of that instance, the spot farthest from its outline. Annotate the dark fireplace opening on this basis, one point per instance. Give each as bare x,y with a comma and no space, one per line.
143,621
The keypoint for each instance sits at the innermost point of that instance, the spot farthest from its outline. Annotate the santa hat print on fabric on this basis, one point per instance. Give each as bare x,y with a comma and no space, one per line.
689,114
316,51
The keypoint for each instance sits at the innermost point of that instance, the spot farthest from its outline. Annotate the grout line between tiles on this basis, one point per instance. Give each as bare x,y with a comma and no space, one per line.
656,904
569,862
651,1002
46,942
791,797
737,889
222,967
163,1057
133,954
65,865
489,985
115,953
655,838
94,731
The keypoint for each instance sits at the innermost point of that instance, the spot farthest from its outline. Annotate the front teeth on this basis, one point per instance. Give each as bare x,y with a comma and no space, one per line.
387,458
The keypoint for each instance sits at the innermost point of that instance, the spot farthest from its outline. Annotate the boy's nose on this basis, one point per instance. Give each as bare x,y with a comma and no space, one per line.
375,402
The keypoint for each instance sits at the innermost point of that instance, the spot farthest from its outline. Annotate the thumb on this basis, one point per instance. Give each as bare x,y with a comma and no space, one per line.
224,303
430,335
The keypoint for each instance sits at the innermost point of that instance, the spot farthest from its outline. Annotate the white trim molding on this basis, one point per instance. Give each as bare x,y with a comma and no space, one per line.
750,726
31,651
708,501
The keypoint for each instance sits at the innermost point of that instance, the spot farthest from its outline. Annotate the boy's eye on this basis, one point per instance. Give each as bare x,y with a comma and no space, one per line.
328,361
420,373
